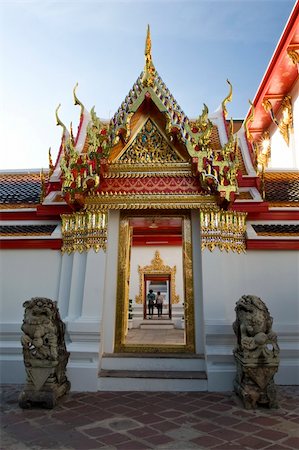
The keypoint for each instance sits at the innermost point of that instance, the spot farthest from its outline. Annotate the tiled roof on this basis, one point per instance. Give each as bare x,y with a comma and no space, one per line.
282,187
276,229
22,189
174,110
26,230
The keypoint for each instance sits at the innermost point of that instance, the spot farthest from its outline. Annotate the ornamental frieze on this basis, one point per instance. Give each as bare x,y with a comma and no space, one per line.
149,185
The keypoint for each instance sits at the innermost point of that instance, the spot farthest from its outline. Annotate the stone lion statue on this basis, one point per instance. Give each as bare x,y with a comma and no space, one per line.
256,353
44,352
253,328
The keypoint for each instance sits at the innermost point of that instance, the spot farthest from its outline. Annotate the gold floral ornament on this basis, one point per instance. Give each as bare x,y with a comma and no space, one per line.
157,267
263,151
83,231
149,146
225,230
293,55
81,171
285,124
217,168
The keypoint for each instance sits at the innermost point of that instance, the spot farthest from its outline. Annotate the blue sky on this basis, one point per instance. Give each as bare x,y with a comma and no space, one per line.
48,46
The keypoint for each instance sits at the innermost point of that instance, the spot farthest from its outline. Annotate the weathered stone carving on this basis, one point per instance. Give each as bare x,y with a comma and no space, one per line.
256,354
45,354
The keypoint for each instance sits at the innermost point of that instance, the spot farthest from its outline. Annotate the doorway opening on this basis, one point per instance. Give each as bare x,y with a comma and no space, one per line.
155,255
159,284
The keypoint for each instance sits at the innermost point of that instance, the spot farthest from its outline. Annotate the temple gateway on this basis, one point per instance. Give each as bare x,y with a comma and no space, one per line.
199,212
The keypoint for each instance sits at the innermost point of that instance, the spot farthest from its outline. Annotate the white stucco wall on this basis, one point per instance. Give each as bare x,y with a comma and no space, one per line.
271,275
26,274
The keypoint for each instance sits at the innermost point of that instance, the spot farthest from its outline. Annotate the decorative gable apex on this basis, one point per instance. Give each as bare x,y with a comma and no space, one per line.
149,146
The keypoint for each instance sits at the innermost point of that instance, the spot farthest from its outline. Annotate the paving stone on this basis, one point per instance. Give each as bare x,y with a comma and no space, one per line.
292,442
252,442
183,434
143,420
227,434
208,441
271,435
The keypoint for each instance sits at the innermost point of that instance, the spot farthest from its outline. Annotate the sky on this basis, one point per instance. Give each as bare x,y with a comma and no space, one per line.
47,46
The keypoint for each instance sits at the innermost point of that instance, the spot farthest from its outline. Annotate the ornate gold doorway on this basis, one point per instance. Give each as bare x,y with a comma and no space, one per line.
157,276
156,273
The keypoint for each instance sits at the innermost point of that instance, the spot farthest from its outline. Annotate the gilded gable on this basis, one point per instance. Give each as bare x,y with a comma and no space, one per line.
149,146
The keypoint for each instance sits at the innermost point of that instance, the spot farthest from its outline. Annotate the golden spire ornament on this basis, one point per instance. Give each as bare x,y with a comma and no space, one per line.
51,165
149,68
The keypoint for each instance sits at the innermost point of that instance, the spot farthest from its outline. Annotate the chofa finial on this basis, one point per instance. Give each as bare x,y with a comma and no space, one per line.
76,100
58,121
227,99
249,118
149,68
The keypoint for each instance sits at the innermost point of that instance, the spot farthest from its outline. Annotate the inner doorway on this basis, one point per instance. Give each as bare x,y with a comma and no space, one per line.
158,284
142,237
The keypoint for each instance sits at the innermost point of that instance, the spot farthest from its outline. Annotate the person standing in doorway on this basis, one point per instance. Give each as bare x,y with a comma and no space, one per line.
150,303
159,303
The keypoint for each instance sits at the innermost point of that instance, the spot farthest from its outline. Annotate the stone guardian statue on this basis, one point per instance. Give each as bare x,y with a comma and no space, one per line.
256,353
45,354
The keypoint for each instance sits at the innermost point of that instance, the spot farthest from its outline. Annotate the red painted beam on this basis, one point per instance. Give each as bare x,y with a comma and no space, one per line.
26,215
53,210
265,244
249,182
156,240
30,244
273,215
255,207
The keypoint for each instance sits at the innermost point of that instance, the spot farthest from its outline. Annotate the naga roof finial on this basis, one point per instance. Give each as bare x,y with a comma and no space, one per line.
227,99
247,120
149,68
58,121
76,100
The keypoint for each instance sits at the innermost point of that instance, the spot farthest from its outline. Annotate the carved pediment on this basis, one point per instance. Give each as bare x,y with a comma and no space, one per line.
149,146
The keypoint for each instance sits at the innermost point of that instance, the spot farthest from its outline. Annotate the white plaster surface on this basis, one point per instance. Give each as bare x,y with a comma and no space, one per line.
26,274
271,275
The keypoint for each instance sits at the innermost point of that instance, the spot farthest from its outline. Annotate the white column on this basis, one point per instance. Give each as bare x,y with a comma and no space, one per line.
65,284
93,293
197,283
76,286
110,285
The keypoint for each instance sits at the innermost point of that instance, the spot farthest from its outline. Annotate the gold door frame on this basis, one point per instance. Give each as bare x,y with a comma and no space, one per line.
157,267
122,299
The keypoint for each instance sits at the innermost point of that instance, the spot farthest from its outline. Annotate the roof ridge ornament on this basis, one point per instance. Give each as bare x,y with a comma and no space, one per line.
228,98
58,121
76,100
149,68
250,119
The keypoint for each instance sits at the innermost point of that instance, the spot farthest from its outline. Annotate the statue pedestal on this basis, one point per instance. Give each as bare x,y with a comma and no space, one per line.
45,384
45,354
254,382
46,398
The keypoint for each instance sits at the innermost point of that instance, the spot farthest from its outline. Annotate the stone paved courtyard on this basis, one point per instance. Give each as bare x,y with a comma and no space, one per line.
150,420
